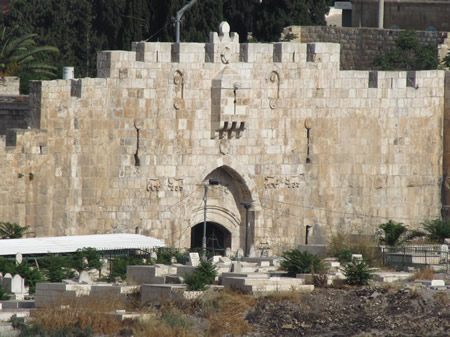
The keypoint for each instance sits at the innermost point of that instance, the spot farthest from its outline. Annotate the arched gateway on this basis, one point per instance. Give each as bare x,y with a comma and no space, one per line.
226,217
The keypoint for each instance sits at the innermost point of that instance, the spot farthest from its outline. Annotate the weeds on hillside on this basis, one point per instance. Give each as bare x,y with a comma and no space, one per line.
225,313
423,274
81,312
343,245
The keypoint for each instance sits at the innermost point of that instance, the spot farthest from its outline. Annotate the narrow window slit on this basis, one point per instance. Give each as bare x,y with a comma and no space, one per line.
308,145
137,161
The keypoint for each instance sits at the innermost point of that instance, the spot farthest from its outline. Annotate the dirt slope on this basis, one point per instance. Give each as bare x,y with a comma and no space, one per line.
369,311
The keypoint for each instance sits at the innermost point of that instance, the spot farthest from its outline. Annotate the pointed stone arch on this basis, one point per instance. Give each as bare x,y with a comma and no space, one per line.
224,206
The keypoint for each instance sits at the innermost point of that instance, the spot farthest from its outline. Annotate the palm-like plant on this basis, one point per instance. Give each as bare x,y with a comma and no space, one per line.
396,233
437,230
12,230
19,53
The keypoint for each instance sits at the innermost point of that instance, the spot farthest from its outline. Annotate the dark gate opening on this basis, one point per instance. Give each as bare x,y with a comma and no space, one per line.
218,238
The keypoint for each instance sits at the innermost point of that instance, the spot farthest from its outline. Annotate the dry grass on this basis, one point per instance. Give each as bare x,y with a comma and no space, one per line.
289,296
225,313
423,274
173,323
358,244
443,297
82,312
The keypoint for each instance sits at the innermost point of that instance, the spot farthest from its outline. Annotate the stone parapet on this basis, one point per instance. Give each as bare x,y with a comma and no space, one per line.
359,46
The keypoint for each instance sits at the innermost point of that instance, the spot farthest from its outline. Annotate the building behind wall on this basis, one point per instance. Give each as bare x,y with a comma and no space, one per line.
278,125
405,14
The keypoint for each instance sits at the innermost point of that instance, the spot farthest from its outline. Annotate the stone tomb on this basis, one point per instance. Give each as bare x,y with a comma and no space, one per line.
15,286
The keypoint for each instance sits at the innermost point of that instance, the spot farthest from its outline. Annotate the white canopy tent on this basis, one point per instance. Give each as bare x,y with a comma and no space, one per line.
68,244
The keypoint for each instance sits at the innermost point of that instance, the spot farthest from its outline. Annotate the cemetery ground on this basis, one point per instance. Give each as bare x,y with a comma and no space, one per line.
379,309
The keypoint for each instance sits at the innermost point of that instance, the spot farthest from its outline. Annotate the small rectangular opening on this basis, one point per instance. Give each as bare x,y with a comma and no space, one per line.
411,79
310,52
373,79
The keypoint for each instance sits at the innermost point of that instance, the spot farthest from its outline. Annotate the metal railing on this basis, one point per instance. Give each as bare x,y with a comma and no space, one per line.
416,256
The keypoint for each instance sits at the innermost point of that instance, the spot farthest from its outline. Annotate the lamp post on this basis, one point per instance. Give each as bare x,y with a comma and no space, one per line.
247,206
211,182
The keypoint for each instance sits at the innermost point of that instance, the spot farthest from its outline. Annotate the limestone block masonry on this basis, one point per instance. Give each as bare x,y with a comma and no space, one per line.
278,125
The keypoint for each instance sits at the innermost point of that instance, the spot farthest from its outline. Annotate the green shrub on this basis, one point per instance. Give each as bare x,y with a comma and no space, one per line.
165,256
208,270
56,268
437,230
409,54
3,294
357,273
297,262
36,330
93,257
119,266
203,275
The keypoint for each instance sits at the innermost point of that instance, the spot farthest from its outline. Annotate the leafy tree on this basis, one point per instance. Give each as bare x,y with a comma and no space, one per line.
437,230
12,230
409,54
56,268
272,16
119,266
17,53
86,259
297,262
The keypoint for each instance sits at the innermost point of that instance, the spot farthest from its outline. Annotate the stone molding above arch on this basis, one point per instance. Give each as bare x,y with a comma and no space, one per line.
239,171
216,214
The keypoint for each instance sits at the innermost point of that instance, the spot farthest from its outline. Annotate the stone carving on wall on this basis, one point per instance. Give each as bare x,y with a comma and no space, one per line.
273,182
225,55
224,146
129,172
172,184
274,92
292,182
175,184
153,185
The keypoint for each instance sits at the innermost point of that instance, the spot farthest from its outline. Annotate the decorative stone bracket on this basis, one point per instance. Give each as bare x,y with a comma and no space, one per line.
228,128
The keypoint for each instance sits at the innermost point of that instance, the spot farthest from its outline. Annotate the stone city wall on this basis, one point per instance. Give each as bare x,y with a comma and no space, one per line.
360,46
278,125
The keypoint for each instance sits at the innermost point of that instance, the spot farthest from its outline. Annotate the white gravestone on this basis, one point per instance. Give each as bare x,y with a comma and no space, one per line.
228,252
18,285
444,253
194,259
85,278
239,253
19,258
